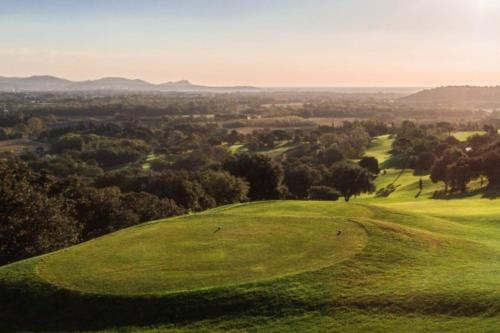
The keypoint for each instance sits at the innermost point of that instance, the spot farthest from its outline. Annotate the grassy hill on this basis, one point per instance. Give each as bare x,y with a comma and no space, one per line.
397,262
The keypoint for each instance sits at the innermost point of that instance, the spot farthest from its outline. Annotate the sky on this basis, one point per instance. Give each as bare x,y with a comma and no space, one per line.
419,43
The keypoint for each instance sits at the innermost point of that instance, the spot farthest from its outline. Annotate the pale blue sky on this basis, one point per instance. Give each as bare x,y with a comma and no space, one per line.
259,42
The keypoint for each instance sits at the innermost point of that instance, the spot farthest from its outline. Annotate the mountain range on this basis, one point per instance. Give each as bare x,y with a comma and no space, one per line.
48,83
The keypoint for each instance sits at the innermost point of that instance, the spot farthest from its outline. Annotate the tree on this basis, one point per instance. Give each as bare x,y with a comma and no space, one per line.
224,187
452,141
489,165
330,156
349,179
35,125
149,207
402,146
186,192
445,127
459,174
233,137
424,162
490,129
299,178
264,175
31,222
371,164
98,210
440,170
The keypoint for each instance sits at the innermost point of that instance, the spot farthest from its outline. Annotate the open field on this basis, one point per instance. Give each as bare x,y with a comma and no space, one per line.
463,136
403,262
18,146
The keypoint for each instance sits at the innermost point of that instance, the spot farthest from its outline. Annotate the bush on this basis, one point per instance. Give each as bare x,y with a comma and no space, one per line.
371,164
323,193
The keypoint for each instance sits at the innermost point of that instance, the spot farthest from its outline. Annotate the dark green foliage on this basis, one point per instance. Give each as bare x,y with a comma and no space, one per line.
149,207
103,210
330,156
69,141
263,175
109,157
99,210
187,193
323,193
443,168
424,162
31,222
487,163
402,146
371,164
351,140
349,179
299,178
459,174
223,187
65,164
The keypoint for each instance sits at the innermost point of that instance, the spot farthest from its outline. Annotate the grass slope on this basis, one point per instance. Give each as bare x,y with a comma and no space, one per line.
403,263
192,253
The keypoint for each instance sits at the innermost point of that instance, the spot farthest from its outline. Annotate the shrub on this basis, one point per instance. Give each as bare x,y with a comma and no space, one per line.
323,193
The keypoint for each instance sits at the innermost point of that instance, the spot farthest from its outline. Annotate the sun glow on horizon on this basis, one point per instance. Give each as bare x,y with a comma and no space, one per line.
277,43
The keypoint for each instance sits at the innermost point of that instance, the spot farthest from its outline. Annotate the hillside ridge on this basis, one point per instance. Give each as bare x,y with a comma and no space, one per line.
456,95
47,83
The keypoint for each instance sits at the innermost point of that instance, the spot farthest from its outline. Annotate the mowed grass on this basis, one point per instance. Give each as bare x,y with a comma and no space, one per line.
403,263
201,251
380,148
464,135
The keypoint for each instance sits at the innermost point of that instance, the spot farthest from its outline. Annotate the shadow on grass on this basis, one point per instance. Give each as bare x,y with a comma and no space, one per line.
385,192
58,310
487,193
394,162
22,310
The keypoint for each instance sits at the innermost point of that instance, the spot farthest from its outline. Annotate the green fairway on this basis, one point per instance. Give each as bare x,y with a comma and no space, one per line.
380,148
402,262
464,135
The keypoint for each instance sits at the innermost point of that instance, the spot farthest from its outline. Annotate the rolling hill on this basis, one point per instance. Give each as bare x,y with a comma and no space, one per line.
460,96
398,262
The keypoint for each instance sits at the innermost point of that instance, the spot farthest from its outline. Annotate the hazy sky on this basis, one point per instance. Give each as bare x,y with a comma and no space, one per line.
256,42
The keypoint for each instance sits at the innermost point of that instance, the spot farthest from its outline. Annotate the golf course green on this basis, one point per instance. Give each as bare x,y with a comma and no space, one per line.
394,261
202,251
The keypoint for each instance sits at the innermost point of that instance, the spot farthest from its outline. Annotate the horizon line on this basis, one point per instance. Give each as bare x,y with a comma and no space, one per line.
404,86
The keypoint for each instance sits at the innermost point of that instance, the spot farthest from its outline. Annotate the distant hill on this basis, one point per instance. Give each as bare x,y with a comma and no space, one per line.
33,83
50,83
456,96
